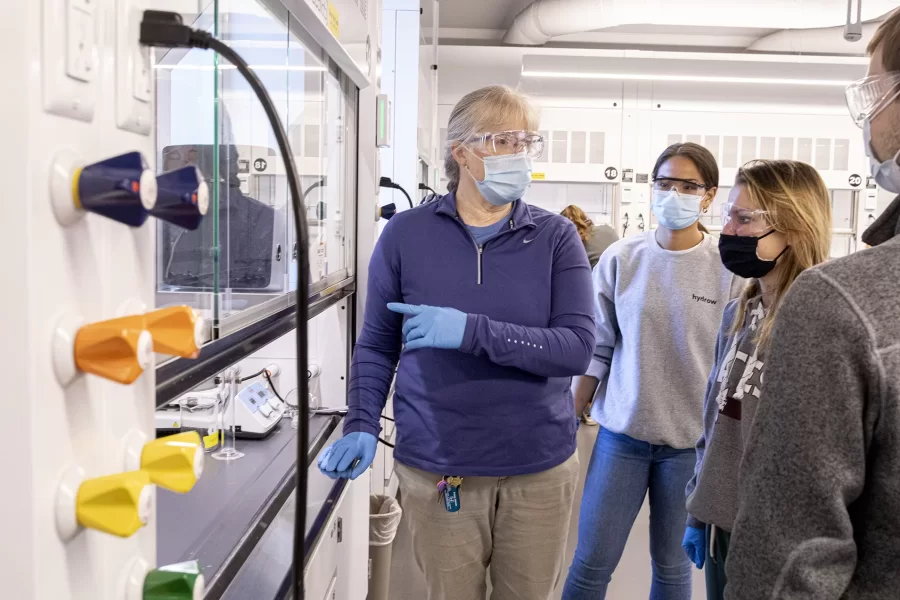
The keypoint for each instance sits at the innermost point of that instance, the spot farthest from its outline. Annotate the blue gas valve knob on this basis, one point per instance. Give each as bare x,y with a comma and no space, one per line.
182,197
120,188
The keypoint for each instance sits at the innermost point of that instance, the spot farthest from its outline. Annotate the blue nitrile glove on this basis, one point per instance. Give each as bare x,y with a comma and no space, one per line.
337,459
694,544
431,327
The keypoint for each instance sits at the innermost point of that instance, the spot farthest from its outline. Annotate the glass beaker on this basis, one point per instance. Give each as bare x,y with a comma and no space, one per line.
229,451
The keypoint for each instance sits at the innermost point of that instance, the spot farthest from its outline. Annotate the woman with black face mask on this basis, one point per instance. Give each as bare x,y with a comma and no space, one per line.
776,224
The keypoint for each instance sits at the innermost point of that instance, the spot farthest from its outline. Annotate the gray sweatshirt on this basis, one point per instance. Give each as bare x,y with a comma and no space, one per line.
732,395
820,482
657,314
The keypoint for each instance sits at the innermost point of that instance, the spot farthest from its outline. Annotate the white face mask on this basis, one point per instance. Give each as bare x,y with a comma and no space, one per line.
506,177
886,173
675,211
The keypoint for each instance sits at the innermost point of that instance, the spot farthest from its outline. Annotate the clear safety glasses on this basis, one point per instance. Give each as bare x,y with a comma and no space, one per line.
867,97
509,142
737,220
682,186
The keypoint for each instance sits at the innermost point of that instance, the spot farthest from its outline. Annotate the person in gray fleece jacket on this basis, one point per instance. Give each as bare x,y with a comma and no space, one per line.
776,224
819,516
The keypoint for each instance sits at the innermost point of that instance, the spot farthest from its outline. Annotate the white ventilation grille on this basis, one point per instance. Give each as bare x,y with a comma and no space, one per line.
841,155
730,152
785,148
598,148
748,149
767,148
711,143
579,147
693,139
804,150
560,147
824,154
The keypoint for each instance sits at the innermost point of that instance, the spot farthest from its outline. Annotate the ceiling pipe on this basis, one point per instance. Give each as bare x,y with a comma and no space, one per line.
829,40
543,20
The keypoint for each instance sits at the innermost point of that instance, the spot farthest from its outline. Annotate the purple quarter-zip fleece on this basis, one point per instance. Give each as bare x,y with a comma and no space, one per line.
501,405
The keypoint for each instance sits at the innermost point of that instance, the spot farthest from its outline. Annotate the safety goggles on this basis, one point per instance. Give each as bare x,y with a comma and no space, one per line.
509,142
870,95
737,220
682,186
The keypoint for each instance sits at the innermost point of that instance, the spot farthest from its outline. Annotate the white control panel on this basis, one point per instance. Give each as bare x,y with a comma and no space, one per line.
256,412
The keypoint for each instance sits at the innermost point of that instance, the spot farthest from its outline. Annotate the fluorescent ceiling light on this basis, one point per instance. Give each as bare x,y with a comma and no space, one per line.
687,78
232,67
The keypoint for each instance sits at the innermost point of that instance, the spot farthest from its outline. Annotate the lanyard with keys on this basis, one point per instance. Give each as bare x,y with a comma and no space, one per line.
448,492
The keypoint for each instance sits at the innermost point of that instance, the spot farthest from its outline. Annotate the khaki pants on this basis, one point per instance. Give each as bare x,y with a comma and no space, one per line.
517,525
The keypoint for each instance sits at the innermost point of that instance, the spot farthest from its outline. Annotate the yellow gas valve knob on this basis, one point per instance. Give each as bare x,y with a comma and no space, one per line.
117,349
117,504
177,330
174,462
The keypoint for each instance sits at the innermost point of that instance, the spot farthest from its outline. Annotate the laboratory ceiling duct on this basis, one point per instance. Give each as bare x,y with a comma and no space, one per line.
827,40
543,20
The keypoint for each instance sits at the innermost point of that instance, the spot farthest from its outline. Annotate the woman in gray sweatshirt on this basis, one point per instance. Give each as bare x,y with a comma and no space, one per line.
658,300
776,224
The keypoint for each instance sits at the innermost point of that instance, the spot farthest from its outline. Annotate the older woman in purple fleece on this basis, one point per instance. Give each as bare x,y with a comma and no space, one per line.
486,304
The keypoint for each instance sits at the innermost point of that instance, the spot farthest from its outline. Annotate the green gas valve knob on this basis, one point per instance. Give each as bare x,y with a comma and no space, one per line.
181,581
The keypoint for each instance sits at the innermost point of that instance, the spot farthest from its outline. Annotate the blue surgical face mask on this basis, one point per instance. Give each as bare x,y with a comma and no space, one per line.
506,178
675,211
886,173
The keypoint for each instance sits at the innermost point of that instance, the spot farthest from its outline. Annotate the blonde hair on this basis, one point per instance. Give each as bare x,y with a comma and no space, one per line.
583,223
798,205
479,112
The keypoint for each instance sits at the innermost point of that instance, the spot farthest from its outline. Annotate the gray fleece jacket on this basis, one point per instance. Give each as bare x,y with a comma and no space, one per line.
819,517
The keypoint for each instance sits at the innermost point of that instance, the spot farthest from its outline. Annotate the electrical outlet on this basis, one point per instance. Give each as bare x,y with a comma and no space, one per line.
69,58
134,83
80,42
142,82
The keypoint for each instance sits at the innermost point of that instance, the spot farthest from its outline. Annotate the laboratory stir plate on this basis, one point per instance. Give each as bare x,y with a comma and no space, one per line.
256,412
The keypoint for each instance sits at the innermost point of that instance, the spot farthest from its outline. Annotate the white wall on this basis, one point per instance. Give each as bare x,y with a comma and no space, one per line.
90,269
635,120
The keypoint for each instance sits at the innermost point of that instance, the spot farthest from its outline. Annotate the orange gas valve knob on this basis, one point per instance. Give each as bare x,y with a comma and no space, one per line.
177,330
118,349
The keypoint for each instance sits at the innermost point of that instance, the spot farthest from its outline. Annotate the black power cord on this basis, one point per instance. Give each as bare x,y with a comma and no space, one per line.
167,30
272,385
387,183
423,187
243,379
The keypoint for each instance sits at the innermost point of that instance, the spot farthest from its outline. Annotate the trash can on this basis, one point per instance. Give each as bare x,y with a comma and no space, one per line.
384,519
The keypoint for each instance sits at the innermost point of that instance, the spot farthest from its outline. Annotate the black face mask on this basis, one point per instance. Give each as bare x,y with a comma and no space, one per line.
738,254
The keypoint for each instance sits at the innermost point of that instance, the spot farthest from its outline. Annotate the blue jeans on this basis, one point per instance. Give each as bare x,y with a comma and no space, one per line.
621,471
